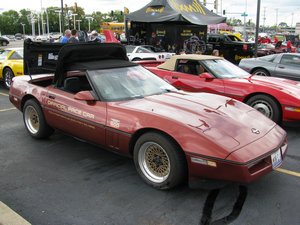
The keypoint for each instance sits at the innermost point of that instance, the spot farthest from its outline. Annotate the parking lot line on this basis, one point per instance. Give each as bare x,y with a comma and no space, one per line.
4,94
292,173
9,217
4,110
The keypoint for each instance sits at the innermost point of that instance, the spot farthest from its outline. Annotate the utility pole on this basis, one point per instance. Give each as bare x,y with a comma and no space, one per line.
62,23
257,27
276,19
264,19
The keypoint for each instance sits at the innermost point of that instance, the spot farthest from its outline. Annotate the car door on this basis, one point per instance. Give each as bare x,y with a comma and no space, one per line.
83,119
288,67
186,77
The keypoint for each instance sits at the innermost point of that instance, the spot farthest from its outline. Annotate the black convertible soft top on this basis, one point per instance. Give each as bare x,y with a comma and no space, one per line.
42,58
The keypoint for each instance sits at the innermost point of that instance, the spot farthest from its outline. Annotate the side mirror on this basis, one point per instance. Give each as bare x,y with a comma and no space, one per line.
84,96
206,76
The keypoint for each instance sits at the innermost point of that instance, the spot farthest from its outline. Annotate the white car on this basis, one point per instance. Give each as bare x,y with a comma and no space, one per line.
137,53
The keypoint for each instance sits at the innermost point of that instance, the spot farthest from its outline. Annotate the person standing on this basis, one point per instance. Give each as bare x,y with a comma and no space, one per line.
154,41
95,37
74,37
67,36
289,46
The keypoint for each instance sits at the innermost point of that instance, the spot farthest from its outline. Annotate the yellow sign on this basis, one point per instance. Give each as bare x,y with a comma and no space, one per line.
126,10
195,6
155,9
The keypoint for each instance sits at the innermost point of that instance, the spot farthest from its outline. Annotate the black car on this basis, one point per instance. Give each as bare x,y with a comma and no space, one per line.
3,41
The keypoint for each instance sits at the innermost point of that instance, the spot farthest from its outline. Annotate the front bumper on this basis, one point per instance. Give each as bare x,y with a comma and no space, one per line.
227,170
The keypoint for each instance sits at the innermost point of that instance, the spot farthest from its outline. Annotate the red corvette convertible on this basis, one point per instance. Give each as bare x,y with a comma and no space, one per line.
94,93
276,98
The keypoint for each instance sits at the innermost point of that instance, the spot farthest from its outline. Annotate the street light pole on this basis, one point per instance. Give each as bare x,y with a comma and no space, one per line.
78,21
74,14
59,18
89,20
47,23
23,29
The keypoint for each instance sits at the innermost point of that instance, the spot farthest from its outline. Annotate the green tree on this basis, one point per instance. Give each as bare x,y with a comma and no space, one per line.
9,22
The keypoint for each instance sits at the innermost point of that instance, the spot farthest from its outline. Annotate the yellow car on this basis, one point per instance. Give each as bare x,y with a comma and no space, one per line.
11,64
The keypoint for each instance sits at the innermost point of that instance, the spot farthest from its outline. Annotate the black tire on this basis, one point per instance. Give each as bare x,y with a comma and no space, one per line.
34,120
136,59
267,106
8,75
159,161
261,72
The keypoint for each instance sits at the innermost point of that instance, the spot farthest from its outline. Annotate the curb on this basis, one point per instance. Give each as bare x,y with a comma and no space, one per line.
10,217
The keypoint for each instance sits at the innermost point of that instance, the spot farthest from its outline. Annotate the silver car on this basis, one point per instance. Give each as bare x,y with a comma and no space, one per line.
285,65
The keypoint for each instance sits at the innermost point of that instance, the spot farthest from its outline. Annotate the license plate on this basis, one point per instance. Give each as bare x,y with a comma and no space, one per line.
276,158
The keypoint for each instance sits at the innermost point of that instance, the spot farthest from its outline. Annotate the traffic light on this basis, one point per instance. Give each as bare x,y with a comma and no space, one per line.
215,4
204,2
112,13
224,12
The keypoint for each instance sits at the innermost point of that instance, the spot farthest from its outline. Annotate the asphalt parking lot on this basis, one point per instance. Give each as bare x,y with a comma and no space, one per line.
62,180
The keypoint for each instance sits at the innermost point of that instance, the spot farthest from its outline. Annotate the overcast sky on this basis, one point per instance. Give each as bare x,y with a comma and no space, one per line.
288,10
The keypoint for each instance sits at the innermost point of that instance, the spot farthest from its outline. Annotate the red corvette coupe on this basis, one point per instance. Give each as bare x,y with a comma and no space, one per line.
94,93
276,98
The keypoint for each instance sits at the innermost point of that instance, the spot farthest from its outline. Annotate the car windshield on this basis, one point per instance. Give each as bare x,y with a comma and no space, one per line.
3,54
128,83
129,49
268,58
143,50
223,69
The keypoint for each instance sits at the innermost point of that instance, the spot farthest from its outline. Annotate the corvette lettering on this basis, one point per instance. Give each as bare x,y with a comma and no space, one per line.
70,109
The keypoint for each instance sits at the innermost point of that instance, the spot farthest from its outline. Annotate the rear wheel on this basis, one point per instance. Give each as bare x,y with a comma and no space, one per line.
261,72
8,75
267,106
4,43
159,161
34,120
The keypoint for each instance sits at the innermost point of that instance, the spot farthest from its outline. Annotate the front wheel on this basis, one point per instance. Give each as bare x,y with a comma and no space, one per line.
267,106
34,120
8,75
261,72
159,161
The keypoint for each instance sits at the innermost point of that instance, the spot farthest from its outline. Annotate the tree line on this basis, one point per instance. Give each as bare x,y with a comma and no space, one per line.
11,21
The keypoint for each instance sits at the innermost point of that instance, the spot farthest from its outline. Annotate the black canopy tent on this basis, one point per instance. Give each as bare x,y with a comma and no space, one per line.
172,20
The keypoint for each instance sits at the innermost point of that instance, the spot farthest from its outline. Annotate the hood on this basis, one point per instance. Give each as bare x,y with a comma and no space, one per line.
225,121
287,86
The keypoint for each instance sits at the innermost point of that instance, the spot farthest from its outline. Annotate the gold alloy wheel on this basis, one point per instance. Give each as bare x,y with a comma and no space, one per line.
32,119
154,162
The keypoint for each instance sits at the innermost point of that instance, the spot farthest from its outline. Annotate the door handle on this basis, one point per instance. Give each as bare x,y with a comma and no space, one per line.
51,96
281,67
175,77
